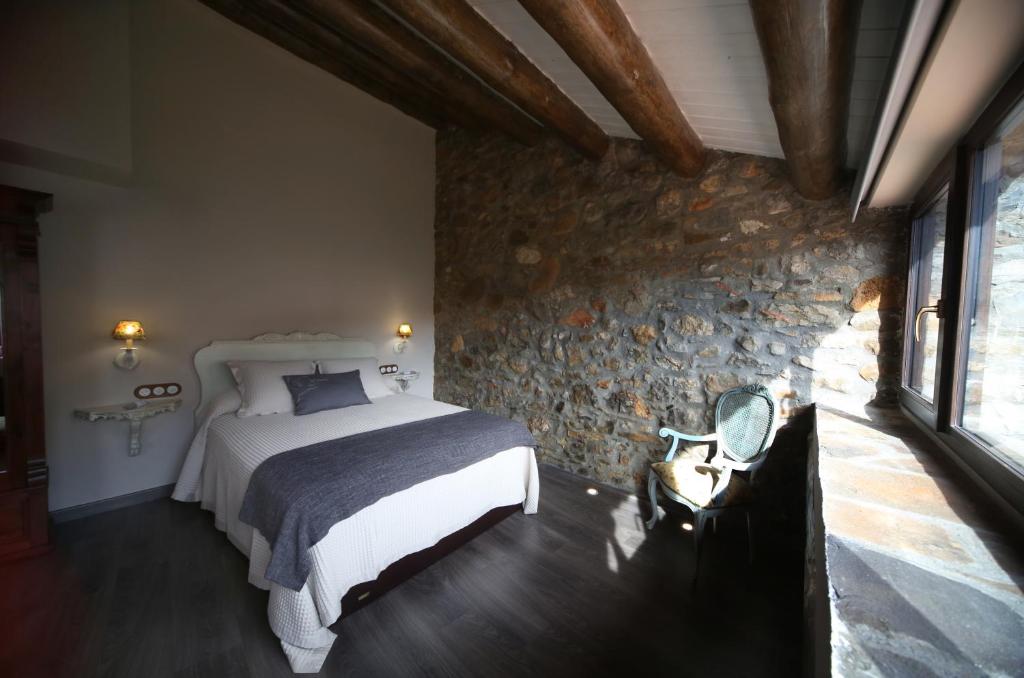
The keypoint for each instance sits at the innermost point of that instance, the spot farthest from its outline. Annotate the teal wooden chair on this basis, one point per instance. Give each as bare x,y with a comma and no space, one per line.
744,429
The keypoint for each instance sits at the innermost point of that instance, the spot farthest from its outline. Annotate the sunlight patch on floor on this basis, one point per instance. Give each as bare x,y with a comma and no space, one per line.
612,557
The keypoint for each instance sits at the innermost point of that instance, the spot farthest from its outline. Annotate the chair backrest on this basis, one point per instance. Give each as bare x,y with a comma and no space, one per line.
744,422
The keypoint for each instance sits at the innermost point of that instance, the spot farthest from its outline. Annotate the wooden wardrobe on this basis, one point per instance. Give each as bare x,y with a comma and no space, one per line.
24,519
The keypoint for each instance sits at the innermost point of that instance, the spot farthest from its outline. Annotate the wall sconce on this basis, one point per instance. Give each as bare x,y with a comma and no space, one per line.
404,331
129,331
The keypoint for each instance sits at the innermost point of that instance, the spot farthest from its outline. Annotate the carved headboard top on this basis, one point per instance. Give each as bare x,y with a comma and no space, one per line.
215,378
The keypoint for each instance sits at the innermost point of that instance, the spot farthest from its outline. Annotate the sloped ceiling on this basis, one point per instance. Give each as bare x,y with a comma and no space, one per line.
708,53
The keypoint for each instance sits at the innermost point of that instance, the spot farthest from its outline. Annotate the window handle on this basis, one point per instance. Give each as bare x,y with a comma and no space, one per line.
917,319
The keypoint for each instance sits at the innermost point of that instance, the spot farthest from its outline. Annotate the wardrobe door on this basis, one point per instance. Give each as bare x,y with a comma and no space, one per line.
24,518
4,382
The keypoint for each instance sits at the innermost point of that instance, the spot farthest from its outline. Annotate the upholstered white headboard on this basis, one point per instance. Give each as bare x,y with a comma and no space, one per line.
215,378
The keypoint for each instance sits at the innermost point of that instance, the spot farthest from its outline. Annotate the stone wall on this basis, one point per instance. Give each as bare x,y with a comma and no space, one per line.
599,301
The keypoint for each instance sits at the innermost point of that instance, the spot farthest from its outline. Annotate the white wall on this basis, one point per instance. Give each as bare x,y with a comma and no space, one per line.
264,195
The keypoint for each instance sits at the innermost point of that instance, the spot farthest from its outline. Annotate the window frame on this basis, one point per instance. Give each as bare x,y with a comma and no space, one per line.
961,169
940,182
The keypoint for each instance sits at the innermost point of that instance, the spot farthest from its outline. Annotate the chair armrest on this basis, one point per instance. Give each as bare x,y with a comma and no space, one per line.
751,466
723,462
677,436
666,432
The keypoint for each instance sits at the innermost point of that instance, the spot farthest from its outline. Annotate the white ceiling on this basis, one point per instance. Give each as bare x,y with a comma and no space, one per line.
707,52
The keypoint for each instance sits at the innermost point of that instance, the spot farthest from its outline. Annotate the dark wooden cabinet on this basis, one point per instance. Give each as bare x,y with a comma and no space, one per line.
24,519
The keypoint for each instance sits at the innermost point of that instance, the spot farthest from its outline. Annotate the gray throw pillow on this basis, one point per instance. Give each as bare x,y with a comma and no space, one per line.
318,392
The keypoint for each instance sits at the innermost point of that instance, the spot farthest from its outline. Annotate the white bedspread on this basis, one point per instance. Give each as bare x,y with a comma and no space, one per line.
357,549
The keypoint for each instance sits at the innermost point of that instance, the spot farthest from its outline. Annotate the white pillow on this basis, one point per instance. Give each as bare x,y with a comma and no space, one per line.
261,386
369,374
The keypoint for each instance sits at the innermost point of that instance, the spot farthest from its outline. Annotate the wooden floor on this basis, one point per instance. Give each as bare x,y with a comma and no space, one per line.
578,589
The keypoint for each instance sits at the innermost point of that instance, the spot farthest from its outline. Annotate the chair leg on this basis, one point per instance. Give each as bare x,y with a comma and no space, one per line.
699,519
652,492
750,539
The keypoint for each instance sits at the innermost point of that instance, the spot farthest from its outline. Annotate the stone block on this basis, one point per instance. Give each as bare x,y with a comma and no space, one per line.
712,184
701,204
751,226
878,293
803,361
869,372
527,255
694,326
669,202
579,318
643,334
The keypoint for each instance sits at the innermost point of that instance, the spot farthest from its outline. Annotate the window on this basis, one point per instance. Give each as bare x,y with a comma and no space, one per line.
928,257
992,397
963,369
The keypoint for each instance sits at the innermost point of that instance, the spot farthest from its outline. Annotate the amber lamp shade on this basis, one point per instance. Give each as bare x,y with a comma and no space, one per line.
128,331
404,332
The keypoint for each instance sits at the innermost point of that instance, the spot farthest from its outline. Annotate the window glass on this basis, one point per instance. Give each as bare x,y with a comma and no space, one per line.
930,245
993,393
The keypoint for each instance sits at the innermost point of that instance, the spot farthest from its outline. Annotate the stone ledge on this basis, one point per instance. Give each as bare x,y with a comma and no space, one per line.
920,577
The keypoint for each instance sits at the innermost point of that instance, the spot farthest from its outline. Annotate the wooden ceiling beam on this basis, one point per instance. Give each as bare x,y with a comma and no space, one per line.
808,52
597,36
372,28
458,29
330,53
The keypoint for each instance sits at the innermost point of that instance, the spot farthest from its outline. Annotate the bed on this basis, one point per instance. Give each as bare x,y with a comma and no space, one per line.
390,536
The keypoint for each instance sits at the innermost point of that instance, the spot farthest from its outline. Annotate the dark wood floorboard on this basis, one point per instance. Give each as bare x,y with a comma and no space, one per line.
580,589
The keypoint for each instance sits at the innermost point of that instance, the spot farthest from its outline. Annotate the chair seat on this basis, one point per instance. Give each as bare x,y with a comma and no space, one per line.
695,480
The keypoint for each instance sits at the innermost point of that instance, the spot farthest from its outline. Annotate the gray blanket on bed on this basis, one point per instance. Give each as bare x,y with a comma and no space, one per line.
295,497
